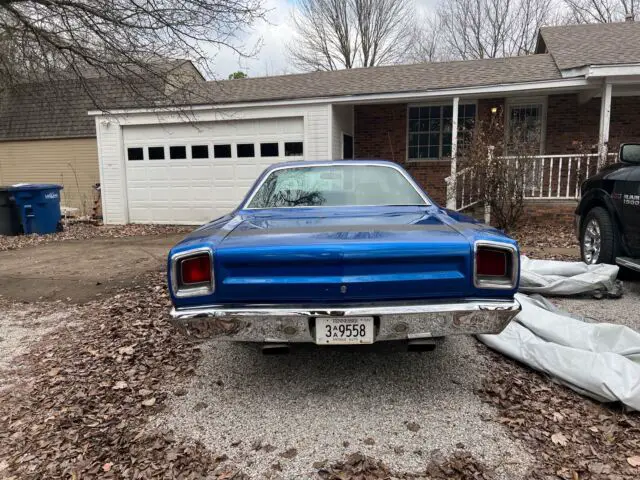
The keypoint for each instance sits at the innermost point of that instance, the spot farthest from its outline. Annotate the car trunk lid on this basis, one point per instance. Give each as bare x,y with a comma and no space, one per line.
347,256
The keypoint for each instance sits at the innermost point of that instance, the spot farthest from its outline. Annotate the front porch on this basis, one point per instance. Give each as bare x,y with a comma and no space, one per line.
577,130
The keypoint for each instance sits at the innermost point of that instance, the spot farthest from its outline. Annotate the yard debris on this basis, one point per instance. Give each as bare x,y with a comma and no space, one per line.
459,465
74,230
540,241
356,466
591,441
80,413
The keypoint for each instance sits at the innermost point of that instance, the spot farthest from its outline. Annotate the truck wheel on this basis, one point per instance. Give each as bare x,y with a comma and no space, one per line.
598,238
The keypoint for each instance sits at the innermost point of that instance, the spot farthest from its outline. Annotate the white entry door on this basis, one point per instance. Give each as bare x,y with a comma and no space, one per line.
193,173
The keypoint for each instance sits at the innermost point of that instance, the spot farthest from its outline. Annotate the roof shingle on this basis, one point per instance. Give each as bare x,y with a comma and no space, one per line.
376,80
574,46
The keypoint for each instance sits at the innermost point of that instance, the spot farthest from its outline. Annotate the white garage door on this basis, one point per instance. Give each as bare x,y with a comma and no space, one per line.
191,174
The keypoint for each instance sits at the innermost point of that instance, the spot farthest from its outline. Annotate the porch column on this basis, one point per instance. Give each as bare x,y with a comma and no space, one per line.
605,120
452,187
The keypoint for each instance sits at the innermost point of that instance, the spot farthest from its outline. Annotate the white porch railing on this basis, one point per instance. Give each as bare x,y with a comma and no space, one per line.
553,177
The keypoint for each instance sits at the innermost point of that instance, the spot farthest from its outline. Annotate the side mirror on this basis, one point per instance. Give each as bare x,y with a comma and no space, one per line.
630,153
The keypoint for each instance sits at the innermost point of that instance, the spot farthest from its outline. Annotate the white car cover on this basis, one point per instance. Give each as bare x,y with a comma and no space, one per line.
600,360
551,277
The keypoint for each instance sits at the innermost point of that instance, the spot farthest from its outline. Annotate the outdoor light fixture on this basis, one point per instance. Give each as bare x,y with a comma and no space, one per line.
494,109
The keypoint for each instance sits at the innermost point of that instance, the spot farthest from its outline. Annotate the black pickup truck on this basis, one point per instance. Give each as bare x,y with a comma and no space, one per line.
608,216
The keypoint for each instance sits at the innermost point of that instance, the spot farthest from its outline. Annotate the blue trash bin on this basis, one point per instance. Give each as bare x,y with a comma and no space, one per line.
38,207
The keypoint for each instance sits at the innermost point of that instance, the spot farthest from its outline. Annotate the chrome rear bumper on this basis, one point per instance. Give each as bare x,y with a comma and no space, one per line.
283,323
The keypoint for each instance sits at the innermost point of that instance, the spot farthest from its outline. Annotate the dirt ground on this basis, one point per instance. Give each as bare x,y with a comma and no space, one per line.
78,271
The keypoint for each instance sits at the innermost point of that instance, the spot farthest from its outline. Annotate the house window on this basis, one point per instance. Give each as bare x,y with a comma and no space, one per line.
135,153
199,151
269,149
293,149
222,151
245,150
525,127
177,153
430,130
156,153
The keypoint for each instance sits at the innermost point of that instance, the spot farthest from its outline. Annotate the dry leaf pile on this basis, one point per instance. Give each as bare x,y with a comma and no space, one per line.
460,465
89,389
536,240
88,230
569,436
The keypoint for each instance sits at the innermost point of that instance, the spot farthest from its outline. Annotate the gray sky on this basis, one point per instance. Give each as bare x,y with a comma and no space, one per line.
271,59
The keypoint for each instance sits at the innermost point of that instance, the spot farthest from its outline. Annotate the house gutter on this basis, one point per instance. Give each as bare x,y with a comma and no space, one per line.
497,89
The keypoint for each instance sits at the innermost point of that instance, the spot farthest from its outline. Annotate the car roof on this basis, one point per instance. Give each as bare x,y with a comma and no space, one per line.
320,163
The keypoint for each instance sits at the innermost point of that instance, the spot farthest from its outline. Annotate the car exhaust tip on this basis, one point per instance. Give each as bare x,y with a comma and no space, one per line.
422,345
275,349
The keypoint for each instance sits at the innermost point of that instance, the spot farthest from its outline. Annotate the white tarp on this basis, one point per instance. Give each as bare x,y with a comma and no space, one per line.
599,360
551,277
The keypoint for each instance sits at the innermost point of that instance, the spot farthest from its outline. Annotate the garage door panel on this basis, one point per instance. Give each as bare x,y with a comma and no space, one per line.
194,191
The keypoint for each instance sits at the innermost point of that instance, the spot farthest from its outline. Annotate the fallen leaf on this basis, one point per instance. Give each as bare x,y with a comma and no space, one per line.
53,372
290,453
413,426
634,461
559,439
107,467
557,417
149,402
144,392
125,350
3,465
120,385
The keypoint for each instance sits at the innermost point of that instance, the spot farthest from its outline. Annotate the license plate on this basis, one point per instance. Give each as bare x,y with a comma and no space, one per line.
344,330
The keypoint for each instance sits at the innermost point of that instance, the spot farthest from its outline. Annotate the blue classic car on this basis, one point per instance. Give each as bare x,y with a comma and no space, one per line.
342,252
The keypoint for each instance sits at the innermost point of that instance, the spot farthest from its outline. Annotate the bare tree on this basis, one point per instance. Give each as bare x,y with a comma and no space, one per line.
337,34
132,42
471,29
426,45
601,11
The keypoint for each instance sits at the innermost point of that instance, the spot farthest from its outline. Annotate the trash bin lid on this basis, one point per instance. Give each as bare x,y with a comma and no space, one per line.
29,186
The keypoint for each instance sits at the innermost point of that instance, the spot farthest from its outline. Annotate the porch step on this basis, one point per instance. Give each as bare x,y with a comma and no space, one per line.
630,263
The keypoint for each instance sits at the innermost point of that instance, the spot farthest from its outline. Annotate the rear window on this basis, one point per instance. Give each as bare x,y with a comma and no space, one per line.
336,186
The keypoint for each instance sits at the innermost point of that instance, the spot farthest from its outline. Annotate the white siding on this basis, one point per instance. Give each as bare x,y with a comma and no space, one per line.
111,149
112,175
342,122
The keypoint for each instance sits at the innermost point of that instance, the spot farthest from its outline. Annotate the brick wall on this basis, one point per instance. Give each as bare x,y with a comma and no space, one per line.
549,212
381,133
572,127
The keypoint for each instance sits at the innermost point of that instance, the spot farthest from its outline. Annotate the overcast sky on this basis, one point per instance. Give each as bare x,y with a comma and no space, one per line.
271,59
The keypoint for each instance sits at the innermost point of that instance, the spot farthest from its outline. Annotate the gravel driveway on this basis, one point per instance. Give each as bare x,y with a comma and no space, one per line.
271,417
393,405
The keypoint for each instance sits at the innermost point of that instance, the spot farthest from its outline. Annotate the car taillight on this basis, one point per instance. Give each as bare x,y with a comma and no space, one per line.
495,266
195,270
491,263
192,273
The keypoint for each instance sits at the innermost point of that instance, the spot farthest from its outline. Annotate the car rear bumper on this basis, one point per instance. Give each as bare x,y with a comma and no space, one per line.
284,324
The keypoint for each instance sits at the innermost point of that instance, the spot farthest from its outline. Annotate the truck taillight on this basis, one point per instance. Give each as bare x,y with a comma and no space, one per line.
495,266
192,273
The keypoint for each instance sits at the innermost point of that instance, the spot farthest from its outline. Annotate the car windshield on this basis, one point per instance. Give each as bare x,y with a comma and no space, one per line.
336,186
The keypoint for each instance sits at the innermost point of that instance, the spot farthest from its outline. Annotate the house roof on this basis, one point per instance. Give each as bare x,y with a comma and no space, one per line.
574,46
374,80
59,110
